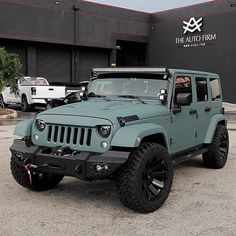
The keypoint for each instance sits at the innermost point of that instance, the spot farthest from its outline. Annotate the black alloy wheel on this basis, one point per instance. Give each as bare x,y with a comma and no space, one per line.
154,178
144,181
217,154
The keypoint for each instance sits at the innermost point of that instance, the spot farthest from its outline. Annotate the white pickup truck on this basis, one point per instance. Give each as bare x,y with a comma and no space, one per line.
33,91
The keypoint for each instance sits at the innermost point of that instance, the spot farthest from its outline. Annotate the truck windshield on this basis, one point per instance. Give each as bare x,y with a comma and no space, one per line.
145,88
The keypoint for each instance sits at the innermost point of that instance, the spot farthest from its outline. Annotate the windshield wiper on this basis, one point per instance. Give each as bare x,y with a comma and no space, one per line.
132,96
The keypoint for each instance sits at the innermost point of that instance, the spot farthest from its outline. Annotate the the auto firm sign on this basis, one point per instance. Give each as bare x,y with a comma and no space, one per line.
193,35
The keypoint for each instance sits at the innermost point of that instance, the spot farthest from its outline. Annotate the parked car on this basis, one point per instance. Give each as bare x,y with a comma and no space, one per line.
70,98
134,125
33,91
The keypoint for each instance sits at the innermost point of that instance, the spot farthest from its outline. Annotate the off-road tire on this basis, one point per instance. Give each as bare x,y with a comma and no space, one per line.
217,154
2,103
129,179
24,104
40,182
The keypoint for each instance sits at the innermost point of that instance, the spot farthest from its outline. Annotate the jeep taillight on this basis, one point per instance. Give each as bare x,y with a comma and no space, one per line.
33,91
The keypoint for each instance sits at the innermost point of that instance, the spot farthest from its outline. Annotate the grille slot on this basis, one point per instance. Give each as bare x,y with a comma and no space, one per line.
89,137
82,137
55,134
67,135
62,134
75,136
49,132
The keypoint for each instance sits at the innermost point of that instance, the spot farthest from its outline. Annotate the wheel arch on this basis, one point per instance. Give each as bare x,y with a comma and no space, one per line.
3,97
23,95
156,138
131,136
23,128
215,120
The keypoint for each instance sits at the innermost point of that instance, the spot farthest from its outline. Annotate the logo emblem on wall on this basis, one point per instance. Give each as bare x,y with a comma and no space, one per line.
195,40
192,25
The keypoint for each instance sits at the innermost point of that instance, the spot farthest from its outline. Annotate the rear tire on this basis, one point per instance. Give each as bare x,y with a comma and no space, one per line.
217,154
2,103
24,104
145,180
40,181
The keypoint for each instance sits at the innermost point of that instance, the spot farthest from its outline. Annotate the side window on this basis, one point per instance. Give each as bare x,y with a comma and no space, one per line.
182,85
215,89
201,87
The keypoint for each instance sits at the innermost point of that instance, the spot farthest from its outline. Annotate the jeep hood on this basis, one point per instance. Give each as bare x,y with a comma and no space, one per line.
109,109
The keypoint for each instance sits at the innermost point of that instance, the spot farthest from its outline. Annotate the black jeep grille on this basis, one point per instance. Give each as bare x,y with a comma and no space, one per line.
66,135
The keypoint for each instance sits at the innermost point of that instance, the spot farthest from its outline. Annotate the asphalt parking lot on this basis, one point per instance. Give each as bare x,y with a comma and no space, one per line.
202,202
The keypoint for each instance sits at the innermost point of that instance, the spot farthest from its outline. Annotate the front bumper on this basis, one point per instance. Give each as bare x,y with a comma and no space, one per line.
82,165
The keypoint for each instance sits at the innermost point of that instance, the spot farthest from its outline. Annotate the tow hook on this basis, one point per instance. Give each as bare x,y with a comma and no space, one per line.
27,168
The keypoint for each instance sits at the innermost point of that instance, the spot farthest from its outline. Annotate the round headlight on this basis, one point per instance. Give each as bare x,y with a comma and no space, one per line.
104,130
40,125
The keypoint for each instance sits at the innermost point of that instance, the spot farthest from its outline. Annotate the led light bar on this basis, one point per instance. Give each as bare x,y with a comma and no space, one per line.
131,69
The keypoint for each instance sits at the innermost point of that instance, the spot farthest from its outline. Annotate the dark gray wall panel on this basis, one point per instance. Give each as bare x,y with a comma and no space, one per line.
45,21
54,64
89,58
35,23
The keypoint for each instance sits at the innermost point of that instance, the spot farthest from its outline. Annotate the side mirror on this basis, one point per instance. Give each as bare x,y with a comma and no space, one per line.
184,99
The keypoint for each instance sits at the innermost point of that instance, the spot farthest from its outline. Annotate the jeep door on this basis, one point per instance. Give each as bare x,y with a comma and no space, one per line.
183,117
202,104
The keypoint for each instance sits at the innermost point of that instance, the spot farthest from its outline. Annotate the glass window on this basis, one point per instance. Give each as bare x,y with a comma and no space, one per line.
182,85
201,86
143,86
215,89
33,81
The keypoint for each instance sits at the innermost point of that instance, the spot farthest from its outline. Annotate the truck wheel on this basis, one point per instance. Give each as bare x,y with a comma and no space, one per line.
217,154
40,181
24,104
2,103
145,180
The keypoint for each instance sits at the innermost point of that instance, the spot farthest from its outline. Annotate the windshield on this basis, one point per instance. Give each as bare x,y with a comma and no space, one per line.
33,81
146,88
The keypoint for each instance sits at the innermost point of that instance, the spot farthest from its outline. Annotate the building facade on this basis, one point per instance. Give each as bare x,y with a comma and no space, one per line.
62,40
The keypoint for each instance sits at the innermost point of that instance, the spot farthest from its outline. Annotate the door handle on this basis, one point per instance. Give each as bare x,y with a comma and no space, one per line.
207,109
193,112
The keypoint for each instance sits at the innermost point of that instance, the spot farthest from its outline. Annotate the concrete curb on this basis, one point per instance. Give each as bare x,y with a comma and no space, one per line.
13,115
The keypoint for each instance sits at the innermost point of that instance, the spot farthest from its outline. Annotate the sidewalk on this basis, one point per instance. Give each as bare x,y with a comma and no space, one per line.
229,107
230,112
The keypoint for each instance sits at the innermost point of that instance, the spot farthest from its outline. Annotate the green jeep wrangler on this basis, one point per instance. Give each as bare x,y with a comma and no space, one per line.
133,125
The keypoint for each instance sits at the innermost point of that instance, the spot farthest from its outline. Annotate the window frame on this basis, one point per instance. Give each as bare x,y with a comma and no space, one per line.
219,86
190,76
206,89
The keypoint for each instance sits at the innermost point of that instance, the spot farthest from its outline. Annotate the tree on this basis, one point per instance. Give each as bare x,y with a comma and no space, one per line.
10,67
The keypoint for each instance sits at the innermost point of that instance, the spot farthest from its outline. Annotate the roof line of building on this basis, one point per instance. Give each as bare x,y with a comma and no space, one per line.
188,6
202,15
106,5
66,9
